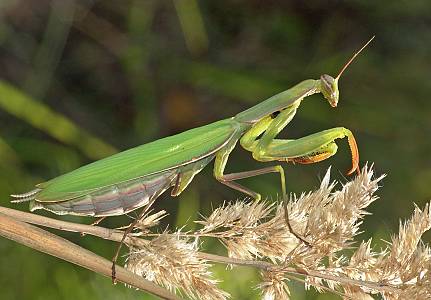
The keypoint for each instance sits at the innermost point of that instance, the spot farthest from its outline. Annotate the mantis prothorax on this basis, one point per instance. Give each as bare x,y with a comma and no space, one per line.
131,179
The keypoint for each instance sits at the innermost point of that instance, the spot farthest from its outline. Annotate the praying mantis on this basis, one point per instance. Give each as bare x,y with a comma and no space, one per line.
134,178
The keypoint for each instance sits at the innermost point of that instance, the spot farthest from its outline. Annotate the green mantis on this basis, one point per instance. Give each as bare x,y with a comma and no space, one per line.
131,179
136,177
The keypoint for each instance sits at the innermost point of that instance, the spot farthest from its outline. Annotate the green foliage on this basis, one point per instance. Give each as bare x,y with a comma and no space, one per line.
42,117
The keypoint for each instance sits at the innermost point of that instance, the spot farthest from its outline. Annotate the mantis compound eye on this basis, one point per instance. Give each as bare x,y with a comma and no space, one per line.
329,89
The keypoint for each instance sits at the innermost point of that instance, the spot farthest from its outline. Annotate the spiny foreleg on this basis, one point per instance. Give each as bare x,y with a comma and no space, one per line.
309,149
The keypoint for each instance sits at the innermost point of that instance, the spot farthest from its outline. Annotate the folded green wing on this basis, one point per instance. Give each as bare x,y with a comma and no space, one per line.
157,156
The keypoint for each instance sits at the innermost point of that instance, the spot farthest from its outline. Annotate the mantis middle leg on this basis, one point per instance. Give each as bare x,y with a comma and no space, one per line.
229,179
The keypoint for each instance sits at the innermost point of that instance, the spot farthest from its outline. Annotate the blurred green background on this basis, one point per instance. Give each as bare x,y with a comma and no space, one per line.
80,80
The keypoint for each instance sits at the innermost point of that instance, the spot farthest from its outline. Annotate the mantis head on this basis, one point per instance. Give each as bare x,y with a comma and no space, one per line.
329,85
329,89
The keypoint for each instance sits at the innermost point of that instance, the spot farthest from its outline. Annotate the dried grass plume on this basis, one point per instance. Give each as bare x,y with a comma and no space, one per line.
313,244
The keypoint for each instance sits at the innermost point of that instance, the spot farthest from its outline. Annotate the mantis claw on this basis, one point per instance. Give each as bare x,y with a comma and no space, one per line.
355,154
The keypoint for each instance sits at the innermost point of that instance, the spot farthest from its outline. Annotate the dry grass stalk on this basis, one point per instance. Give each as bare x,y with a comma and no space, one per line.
172,261
256,234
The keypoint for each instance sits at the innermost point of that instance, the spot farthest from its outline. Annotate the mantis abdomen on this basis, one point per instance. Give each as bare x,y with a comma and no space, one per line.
123,197
116,199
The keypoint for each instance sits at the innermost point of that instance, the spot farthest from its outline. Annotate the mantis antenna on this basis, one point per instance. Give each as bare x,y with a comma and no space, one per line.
353,57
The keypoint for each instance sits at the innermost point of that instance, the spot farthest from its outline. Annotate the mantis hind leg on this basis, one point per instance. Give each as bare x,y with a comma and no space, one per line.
98,221
128,230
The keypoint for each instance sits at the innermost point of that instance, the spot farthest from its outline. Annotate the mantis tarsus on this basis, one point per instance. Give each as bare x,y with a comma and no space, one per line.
131,179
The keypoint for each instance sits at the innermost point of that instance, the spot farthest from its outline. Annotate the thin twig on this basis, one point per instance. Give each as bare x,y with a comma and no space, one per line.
267,266
321,286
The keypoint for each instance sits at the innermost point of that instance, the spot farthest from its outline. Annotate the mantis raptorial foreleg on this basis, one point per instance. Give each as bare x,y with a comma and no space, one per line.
270,127
310,149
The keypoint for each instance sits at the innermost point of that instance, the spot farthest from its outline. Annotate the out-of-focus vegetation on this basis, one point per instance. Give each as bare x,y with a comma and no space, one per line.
80,79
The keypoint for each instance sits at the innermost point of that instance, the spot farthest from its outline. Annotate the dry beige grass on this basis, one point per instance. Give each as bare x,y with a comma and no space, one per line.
325,223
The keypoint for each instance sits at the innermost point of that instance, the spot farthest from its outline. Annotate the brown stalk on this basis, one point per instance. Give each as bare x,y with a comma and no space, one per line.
11,227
